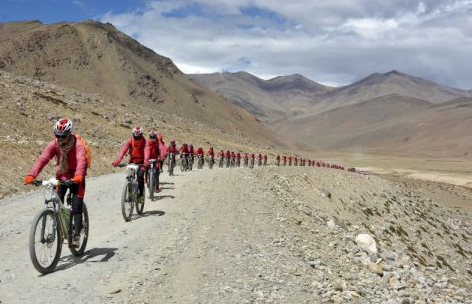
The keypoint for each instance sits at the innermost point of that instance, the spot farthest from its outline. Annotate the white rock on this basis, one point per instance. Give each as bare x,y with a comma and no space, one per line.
366,243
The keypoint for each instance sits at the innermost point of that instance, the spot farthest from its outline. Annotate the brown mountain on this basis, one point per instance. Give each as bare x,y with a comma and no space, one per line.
383,84
96,58
394,124
269,100
107,83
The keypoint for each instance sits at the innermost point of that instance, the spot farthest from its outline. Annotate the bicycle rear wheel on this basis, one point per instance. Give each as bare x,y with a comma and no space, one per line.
84,232
45,247
127,203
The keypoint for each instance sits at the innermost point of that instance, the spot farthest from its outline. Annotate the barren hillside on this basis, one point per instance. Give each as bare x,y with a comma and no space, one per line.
268,100
383,84
397,124
96,58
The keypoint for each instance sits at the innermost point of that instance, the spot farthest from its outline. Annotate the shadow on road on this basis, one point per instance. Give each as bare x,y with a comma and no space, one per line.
152,212
71,260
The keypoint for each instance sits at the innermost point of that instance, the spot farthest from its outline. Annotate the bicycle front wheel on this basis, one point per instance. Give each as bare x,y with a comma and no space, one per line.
152,183
127,202
45,241
84,232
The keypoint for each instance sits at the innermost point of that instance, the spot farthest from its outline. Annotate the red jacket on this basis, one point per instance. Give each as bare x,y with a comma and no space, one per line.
75,157
211,152
151,151
135,149
200,151
172,149
162,150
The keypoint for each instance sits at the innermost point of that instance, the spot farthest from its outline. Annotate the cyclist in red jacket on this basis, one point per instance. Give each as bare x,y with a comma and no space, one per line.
135,146
151,151
71,165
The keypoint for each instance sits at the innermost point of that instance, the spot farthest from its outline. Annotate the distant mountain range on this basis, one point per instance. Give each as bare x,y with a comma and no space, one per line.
268,100
384,112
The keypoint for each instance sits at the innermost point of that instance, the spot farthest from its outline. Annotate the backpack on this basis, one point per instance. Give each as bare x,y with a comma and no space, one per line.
88,153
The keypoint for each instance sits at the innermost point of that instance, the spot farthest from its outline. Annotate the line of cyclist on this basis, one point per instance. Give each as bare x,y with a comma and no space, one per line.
73,158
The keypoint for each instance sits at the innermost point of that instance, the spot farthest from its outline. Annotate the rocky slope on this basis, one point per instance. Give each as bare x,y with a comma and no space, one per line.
96,58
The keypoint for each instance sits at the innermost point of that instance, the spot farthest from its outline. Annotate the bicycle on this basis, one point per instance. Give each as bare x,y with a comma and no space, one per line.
47,236
190,162
129,198
152,180
171,163
211,161
200,162
183,162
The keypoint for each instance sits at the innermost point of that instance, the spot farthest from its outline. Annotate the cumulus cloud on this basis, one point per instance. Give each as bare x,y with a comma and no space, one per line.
331,42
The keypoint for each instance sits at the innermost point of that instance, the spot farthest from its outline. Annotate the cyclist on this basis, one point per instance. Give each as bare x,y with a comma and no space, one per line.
259,159
184,151
162,151
201,153
135,146
191,153
285,160
171,149
152,151
277,160
238,159
265,159
71,164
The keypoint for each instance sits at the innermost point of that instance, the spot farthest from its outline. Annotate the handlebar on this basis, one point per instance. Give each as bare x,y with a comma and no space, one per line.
53,182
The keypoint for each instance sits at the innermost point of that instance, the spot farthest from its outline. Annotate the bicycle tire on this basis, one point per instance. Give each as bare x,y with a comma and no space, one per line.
47,256
152,183
137,204
127,202
84,233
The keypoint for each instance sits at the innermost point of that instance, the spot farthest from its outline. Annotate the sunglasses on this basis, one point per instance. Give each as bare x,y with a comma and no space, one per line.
62,136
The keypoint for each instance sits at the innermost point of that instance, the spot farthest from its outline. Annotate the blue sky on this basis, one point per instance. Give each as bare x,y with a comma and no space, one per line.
331,42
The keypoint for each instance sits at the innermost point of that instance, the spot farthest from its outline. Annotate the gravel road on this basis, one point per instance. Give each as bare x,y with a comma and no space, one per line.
268,235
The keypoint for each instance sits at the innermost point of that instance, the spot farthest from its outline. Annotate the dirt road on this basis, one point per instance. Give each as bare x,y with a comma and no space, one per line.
220,236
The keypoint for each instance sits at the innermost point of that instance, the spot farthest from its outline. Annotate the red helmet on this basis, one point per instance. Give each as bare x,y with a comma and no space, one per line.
152,134
137,131
63,127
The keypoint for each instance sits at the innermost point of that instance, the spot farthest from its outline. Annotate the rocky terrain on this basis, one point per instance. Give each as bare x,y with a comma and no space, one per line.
267,235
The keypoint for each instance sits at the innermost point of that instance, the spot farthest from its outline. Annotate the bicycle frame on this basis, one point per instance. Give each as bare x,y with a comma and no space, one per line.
57,205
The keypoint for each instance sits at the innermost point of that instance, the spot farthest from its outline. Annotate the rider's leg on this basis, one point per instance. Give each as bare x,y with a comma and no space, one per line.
141,172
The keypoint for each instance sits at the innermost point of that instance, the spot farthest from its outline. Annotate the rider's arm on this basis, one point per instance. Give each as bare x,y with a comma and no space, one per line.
48,153
147,152
81,167
124,149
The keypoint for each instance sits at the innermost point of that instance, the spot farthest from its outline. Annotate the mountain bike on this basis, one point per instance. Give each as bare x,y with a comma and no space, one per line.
259,162
251,163
183,162
54,224
246,162
211,161
238,162
129,198
153,178
221,161
200,162
190,162
171,163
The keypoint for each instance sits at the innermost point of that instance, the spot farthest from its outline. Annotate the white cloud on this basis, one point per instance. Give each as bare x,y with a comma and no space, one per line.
331,42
